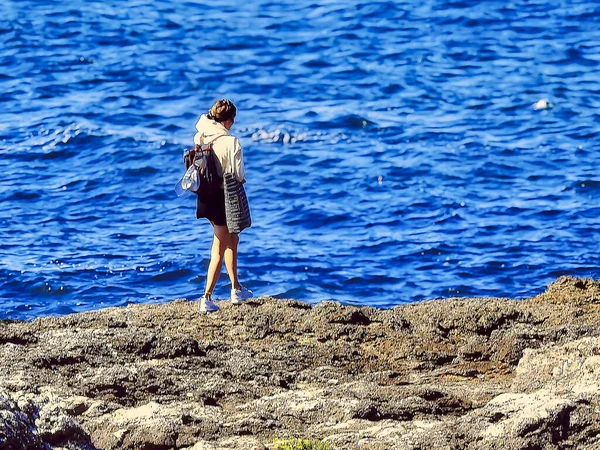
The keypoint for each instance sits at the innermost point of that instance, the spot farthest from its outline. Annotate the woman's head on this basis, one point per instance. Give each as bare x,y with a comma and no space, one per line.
223,111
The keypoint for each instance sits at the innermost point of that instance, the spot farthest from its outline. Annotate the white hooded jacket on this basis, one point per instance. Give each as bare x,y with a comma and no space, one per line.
227,148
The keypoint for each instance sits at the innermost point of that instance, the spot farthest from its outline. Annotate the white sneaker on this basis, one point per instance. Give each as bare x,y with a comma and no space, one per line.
239,295
207,306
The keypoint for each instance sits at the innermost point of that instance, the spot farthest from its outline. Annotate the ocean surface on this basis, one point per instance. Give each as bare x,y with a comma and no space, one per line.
393,150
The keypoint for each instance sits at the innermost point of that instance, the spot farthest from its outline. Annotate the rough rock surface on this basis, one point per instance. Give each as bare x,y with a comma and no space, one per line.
475,373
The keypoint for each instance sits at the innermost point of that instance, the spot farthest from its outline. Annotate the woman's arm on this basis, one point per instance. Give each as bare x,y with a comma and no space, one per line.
237,161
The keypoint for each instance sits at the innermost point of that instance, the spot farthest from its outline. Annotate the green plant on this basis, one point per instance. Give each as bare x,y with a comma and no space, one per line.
302,444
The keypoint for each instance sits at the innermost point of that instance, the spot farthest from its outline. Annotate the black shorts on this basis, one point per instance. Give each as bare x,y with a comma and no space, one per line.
213,208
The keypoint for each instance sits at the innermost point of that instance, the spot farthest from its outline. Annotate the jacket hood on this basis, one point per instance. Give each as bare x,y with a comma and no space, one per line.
208,130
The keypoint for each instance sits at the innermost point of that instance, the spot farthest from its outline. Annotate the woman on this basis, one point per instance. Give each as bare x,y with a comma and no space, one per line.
214,128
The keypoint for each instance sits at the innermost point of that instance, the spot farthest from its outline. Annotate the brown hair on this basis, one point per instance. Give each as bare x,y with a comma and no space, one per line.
222,111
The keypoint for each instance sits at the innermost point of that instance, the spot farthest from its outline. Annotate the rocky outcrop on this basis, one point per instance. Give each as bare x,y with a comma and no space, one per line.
476,373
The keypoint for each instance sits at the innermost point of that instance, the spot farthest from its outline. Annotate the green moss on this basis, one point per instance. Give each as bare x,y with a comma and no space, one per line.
302,444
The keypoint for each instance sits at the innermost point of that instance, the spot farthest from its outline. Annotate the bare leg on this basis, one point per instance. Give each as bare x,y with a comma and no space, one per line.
231,260
220,243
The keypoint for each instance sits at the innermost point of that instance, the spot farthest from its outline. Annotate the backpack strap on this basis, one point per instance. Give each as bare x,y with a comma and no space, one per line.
208,147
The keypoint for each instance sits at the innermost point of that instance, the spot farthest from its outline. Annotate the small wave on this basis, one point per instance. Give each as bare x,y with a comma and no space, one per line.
586,186
18,195
141,171
173,275
279,136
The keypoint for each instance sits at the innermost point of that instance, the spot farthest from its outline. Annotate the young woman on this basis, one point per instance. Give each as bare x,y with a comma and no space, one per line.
214,128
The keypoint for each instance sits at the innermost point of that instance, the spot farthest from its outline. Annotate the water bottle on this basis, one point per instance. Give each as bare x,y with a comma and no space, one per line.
179,190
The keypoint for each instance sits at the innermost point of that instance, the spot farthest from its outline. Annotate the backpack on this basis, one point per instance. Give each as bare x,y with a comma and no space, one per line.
203,158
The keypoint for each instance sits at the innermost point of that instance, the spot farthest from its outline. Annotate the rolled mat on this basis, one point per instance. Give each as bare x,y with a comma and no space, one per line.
237,210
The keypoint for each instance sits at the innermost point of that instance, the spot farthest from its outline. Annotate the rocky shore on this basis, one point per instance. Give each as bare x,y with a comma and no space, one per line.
477,373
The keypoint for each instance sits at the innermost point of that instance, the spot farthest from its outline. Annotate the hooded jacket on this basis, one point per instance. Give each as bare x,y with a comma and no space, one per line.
227,148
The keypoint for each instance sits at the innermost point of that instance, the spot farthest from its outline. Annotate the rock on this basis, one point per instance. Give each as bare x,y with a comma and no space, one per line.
445,374
17,427
29,421
577,291
540,419
572,368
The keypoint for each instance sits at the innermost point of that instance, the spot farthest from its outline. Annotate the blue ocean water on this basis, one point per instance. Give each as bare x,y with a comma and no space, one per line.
392,148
